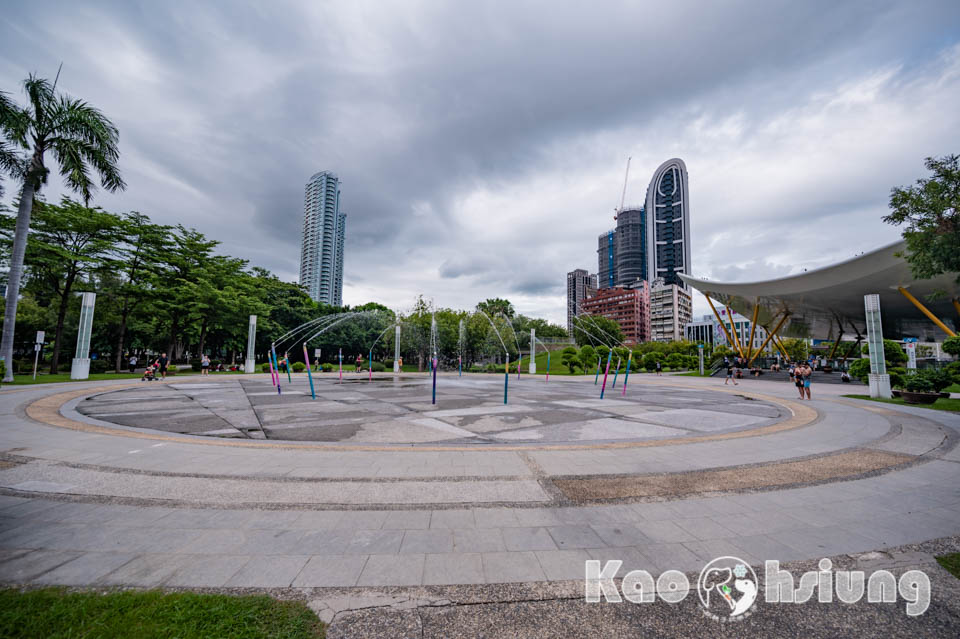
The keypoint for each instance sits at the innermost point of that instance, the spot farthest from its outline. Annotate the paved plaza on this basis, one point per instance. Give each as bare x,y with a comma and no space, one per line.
220,483
389,409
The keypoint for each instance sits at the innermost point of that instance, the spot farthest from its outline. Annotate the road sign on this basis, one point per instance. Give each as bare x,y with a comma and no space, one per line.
40,336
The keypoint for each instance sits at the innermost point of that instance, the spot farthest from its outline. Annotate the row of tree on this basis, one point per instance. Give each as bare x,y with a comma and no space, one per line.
168,289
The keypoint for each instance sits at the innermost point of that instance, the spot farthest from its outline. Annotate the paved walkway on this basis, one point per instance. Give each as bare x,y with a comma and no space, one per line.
82,503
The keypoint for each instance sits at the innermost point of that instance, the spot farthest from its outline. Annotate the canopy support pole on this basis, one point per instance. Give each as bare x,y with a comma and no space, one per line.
923,309
722,325
769,337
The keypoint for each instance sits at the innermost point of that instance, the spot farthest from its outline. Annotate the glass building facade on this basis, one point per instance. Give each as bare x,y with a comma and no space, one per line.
324,227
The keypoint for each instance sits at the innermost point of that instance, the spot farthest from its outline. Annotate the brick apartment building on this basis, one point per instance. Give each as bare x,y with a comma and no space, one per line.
628,307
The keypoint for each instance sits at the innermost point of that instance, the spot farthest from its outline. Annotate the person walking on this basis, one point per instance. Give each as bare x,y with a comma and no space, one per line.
659,369
359,362
729,374
807,375
132,363
205,365
798,379
162,363
400,364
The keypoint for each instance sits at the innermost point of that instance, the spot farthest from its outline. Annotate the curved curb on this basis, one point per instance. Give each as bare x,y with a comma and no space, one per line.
47,411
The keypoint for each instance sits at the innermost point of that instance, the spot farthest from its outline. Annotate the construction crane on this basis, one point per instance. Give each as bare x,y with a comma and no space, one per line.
623,195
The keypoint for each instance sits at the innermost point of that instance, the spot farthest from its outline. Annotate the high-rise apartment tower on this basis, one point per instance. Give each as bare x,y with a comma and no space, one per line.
321,254
668,224
580,285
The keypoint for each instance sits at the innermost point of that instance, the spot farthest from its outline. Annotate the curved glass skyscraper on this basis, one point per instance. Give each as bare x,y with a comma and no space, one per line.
668,221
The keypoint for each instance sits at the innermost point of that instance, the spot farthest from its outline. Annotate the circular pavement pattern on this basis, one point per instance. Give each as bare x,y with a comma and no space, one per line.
398,410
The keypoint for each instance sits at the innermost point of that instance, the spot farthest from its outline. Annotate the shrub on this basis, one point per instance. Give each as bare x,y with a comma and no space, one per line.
265,367
897,379
62,367
299,367
99,366
650,360
676,360
476,368
860,369
587,357
493,368
327,367
953,368
376,366
3,368
214,363
952,345
195,365
892,352
388,363
937,378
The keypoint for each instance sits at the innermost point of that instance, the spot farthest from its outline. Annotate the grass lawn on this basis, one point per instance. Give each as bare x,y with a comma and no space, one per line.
695,373
54,612
951,563
952,405
953,388
46,378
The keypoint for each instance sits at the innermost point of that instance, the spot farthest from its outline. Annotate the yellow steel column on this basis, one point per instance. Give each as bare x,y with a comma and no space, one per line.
835,344
769,337
956,305
753,328
780,347
733,327
722,325
923,309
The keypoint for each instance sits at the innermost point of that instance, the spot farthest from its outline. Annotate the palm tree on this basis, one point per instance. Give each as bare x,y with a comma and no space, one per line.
80,138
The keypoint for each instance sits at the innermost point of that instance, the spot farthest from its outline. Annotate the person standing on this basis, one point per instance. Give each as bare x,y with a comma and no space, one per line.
400,364
807,375
205,365
359,362
659,369
729,374
132,363
162,363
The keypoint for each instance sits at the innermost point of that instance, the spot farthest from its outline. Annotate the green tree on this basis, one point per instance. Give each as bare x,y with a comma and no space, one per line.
951,345
588,358
893,353
80,138
650,360
570,359
931,212
138,261
796,348
595,329
496,306
68,244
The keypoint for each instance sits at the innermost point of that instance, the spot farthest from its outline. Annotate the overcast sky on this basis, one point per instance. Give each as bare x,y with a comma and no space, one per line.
481,146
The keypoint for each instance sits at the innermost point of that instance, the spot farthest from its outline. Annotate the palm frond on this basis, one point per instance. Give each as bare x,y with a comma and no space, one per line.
93,139
40,97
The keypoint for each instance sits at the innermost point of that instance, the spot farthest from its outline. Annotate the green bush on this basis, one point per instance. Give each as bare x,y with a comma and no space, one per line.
676,360
952,345
299,367
99,366
897,379
265,367
195,365
859,369
214,363
650,360
327,367
953,368
476,368
388,363
378,367
493,368
3,368
62,367
892,352
938,379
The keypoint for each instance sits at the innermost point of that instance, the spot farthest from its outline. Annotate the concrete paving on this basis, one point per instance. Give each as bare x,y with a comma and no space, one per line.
140,504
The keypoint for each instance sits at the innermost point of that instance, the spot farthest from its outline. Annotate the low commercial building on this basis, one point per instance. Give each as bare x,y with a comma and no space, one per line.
628,307
709,331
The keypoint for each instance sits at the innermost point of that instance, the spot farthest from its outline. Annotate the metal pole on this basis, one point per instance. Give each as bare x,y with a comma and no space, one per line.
626,375
36,354
340,357
286,362
615,373
519,361
506,375
597,376
607,372
370,364
434,362
548,367
306,358
396,350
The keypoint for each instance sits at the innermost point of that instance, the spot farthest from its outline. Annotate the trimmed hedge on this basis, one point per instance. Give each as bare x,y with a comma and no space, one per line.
378,367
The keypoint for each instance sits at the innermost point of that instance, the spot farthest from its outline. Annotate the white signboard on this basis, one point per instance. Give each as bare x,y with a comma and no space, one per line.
911,348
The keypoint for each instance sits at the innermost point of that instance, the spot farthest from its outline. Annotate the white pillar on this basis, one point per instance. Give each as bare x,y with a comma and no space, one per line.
878,378
250,366
533,351
396,350
80,368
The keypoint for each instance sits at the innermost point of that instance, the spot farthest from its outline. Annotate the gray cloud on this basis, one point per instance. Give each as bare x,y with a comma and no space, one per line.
481,145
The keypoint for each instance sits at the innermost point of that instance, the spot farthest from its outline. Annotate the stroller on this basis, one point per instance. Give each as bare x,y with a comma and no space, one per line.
148,375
